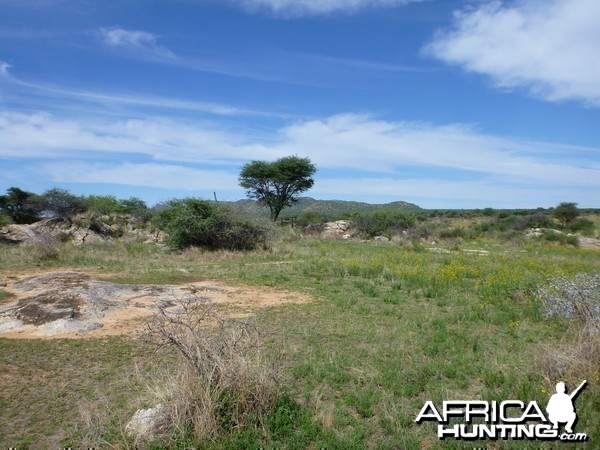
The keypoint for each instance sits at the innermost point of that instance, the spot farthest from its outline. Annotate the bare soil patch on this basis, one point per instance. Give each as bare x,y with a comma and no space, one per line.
77,304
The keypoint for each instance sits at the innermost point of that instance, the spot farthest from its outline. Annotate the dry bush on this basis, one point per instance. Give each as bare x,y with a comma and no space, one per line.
578,299
45,246
575,358
573,298
224,381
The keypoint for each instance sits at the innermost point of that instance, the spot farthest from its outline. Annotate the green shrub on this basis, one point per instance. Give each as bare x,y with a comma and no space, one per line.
193,222
560,238
383,221
583,225
310,217
536,220
137,208
103,204
4,220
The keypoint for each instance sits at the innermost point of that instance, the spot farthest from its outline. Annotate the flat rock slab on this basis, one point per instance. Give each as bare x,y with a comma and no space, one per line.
74,304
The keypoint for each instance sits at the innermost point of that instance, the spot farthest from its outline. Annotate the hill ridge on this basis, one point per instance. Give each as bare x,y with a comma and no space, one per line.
331,208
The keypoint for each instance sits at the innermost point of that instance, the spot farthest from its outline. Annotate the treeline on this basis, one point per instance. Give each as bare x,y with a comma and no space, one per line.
23,207
194,222
186,222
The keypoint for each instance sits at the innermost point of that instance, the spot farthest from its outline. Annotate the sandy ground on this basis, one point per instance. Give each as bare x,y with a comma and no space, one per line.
70,304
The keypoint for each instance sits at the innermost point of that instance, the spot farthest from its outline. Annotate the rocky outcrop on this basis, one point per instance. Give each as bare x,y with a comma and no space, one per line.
81,230
16,234
339,229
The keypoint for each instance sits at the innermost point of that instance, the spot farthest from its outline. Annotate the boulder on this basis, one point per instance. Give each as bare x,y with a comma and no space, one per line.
148,424
339,226
332,230
15,234
29,233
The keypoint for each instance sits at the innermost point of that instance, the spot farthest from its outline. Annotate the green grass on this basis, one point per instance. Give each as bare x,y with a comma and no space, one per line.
392,326
46,386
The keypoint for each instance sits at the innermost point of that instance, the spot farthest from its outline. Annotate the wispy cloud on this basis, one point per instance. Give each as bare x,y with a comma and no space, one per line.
165,176
550,47
142,43
42,135
362,143
348,141
117,100
298,8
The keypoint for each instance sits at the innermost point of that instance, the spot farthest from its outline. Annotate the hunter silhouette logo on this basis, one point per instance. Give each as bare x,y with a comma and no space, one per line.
510,419
560,407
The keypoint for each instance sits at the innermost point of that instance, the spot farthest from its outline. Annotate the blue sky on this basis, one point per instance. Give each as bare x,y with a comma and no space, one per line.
444,103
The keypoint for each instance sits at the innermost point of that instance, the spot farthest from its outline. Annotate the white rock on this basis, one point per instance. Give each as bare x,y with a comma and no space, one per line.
7,324
147,424
62,326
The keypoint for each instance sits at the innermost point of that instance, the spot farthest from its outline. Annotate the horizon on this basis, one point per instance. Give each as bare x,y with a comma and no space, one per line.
308,197
446,105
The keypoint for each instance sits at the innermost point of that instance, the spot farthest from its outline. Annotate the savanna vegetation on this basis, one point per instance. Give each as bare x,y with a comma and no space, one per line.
457,305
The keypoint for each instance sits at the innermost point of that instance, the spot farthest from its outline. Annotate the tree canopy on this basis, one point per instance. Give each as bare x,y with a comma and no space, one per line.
277,184
21,206
58,202
566,212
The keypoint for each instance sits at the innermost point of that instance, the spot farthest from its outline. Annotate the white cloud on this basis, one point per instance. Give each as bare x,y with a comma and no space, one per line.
551,47
165,176
385,157
140,42
4,66
44,135
297,8
362,143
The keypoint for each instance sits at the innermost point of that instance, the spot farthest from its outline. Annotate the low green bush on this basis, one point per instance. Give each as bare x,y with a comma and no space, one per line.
383,222
310,217
103,204
4,220
194,222
560,238
583,225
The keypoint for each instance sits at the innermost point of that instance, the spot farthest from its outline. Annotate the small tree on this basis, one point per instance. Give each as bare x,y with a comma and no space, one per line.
137,208
566,212
21,206
277,184
61,203
102,204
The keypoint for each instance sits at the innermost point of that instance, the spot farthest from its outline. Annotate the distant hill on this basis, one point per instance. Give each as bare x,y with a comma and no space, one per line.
333,209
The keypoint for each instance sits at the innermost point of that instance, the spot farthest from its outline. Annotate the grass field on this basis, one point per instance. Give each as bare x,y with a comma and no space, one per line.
392,326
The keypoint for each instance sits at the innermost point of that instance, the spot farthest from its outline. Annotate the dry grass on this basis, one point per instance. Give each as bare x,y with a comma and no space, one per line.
46,246
222,383
574,359
577,356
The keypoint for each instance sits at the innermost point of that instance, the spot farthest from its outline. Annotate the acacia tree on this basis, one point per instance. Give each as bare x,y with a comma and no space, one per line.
566,212
277,184
21,206
61,203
